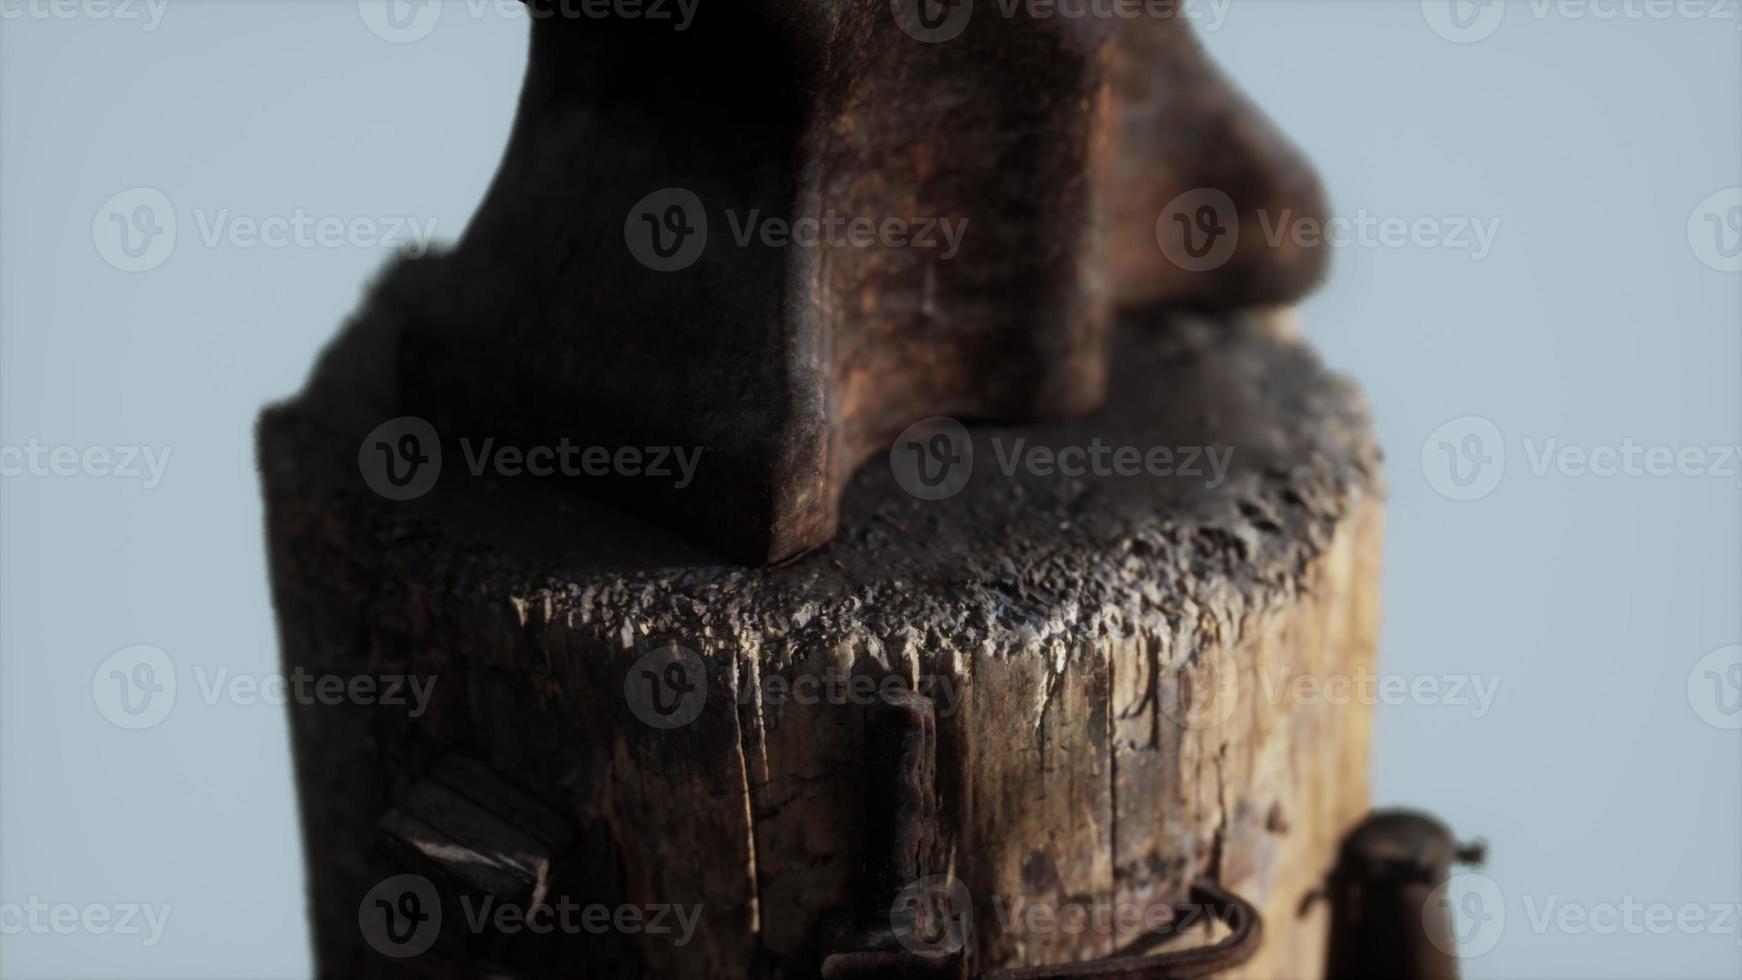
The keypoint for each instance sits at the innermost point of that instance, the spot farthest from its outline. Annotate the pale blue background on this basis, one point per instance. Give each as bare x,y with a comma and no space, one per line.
1592,321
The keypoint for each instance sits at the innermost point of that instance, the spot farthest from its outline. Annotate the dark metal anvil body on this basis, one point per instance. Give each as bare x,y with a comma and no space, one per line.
597,310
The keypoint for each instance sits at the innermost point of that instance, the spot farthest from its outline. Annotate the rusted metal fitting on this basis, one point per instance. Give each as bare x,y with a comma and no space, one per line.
732,239
906,922
1245,937
1384,921
909,922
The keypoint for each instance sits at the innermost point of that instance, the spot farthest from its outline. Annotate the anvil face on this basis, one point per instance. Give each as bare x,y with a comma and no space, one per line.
786,232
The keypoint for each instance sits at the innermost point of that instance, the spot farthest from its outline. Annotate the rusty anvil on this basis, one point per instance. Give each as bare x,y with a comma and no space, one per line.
611,298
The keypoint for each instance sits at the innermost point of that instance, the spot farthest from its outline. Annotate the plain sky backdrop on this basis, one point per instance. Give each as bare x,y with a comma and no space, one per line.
1602,154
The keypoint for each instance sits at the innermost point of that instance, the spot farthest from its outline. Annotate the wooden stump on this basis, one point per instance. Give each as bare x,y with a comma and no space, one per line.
1109,656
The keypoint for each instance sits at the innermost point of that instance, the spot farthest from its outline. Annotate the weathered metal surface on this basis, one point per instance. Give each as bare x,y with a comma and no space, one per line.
899,928
912,924
987,183
1387,922
471,844
1245,937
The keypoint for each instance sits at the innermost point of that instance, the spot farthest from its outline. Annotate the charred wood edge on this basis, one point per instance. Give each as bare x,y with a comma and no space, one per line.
1386,919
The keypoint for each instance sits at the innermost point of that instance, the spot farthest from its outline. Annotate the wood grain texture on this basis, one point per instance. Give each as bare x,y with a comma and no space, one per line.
1083,624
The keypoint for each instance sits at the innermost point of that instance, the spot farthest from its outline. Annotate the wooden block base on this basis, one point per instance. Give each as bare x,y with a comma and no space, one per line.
1111,657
